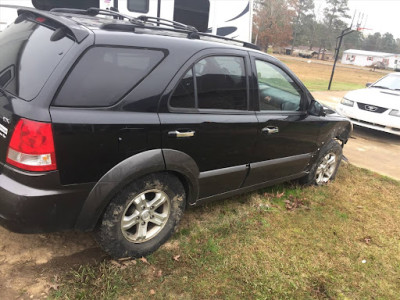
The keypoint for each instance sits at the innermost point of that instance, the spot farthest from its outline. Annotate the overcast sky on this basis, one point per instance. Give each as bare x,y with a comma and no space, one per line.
382,15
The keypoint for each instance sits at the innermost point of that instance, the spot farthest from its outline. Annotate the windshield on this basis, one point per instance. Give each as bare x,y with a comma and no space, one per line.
391,82
28,58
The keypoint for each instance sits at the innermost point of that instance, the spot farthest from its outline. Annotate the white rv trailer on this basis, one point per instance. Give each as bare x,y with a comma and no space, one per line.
229,18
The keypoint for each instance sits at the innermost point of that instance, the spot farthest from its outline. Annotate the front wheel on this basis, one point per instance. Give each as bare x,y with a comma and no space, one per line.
326,165
142,216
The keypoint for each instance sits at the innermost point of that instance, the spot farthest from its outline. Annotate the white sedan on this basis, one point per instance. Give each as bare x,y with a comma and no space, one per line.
376,107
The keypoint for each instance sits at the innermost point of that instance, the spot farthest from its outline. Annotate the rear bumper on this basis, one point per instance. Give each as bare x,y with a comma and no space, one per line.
33,203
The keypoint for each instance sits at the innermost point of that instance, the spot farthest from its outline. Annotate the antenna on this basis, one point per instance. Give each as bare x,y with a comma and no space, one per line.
352,21
365,24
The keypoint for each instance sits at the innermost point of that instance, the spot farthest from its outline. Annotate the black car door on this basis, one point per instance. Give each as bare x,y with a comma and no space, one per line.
286,134
207,115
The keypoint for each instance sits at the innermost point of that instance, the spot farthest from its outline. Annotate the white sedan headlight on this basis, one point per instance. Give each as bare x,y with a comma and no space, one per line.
395,113
347,102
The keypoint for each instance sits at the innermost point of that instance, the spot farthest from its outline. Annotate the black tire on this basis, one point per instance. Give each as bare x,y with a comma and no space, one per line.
316,175
133,204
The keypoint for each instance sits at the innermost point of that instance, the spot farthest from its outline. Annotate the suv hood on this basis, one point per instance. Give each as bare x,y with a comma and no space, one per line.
376,96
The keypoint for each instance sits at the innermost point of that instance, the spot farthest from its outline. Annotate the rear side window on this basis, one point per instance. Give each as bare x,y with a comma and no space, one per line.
28,57
105,74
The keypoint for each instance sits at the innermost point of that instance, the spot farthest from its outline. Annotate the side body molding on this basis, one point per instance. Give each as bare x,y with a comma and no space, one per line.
183,164
129,169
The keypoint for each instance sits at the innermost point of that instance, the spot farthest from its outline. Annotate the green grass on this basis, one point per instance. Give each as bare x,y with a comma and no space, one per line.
316,75
321,85
283,242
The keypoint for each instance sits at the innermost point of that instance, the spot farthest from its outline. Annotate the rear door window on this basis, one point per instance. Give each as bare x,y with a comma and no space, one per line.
104,75
219,82
28,57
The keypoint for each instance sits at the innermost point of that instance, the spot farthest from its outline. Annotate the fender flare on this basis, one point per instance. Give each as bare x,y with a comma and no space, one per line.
127,170
134,167
184,165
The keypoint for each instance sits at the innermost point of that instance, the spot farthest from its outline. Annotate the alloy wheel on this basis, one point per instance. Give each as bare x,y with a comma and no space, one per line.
326,168
145,216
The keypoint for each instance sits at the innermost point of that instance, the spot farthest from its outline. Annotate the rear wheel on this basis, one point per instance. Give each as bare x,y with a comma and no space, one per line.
142,216
326,165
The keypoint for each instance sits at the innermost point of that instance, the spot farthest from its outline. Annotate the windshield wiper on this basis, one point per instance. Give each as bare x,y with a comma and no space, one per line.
381,87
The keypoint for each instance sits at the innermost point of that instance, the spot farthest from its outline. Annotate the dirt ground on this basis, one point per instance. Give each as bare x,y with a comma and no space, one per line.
30,264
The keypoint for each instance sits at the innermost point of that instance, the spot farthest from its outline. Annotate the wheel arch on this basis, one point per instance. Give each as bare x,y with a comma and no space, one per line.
186,169
134,167
336,130
341,132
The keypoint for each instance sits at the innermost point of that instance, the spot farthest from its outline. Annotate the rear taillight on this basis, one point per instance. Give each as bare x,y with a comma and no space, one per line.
32,146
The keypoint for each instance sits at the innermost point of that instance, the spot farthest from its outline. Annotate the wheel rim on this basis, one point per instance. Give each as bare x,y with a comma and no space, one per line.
145,216
326,168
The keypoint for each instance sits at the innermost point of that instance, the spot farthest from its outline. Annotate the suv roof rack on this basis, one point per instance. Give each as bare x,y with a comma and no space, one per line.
142,21
165,22
94,11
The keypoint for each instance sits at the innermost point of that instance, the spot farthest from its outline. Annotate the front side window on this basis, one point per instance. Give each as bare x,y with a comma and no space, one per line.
141,6
277,91
219,82
105,74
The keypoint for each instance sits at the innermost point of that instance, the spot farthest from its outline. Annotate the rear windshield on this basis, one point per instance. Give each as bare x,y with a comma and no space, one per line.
28,58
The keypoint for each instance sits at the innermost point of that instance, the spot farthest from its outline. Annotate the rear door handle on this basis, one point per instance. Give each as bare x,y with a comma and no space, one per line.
270,130
181,134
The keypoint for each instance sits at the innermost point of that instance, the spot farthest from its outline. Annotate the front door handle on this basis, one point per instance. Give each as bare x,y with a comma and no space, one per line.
270,130
181,134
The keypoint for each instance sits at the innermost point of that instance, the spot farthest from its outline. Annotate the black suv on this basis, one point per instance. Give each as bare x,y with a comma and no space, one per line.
116,125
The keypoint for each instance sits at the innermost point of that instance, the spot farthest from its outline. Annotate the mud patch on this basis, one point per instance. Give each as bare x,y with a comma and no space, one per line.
31,263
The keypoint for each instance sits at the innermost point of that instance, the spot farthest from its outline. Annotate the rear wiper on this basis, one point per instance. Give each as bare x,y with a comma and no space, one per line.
3,92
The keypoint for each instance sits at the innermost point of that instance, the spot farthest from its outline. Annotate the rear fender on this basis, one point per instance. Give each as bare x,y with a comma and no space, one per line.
184,165
152,161
126,171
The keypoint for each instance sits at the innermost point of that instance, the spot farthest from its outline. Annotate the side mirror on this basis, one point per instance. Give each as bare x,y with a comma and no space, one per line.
316,109
368,84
